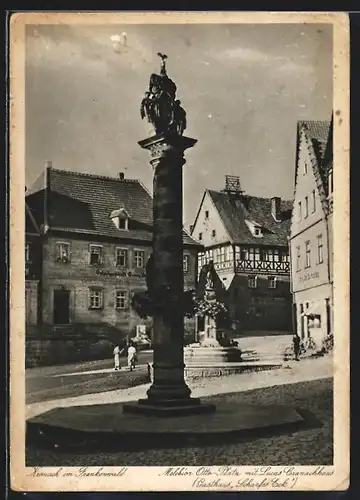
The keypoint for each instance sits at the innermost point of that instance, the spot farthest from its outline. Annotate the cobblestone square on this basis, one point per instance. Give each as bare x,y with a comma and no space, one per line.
306,447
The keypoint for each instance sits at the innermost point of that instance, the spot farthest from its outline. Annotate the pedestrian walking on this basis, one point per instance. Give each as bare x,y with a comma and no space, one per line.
296,344
116,352
131,356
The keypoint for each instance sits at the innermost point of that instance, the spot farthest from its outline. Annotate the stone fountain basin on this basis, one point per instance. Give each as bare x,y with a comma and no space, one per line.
211,355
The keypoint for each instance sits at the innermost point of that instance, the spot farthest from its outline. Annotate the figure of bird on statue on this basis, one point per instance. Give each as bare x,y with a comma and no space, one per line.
163,57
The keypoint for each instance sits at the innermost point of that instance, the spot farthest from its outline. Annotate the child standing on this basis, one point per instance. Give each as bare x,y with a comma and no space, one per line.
116,353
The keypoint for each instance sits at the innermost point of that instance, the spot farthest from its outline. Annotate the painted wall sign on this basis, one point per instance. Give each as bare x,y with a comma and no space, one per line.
309,276
120,274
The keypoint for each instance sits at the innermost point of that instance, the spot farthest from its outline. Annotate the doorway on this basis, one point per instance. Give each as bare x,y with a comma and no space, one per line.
61,307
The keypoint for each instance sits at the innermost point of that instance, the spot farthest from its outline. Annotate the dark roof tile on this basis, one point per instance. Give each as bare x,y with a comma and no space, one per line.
318,131
83,203
234,210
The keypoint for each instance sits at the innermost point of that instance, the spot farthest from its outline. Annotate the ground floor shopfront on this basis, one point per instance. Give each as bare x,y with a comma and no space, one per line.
313,310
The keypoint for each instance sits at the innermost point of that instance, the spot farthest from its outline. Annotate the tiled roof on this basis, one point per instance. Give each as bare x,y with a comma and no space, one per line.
82,203
318,131
320,134
234,210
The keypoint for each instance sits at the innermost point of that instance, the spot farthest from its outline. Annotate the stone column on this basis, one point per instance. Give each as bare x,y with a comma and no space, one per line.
168,394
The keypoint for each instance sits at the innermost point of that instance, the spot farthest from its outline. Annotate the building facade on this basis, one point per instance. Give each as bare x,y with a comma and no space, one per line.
96,238
32,268
311,238
247,239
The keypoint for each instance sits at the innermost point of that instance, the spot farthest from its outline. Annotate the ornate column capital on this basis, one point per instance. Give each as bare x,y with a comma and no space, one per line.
167,145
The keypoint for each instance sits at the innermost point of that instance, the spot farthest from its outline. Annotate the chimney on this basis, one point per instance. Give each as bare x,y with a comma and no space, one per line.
121,176
48,164
276,207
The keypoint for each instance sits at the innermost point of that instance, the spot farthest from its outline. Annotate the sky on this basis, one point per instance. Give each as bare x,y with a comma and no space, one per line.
243,86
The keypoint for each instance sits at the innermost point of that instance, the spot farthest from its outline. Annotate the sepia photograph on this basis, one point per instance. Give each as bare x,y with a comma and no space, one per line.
179,251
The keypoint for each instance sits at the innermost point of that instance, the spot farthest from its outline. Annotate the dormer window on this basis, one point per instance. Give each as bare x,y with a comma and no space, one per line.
254,228
123,223
120,218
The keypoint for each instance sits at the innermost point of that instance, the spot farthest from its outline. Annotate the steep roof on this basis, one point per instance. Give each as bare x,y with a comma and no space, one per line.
31,226
83,203
320,136
233,211
318,131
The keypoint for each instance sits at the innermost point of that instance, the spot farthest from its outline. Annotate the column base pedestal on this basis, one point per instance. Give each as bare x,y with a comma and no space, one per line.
169,407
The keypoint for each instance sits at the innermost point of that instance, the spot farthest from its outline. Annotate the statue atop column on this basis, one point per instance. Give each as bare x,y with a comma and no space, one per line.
160,106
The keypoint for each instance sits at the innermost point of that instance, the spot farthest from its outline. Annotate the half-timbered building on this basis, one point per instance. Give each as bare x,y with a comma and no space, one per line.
247,239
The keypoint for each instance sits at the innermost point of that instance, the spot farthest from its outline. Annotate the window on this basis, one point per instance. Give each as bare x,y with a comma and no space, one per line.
285,256
208,256
123,223
307,254
186,263
254,253
256,231
305,168
300,210
252,281
138,258
313,201
121,299
206,214
244,254
62,252
271,255
96,255
121,257
272,282
27,252
298,259
200,236
213,233
320,252
306,207
220,254
201,260
95,298
229,255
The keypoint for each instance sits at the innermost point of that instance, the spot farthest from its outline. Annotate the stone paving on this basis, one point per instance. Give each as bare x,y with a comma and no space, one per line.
304,447
292,372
